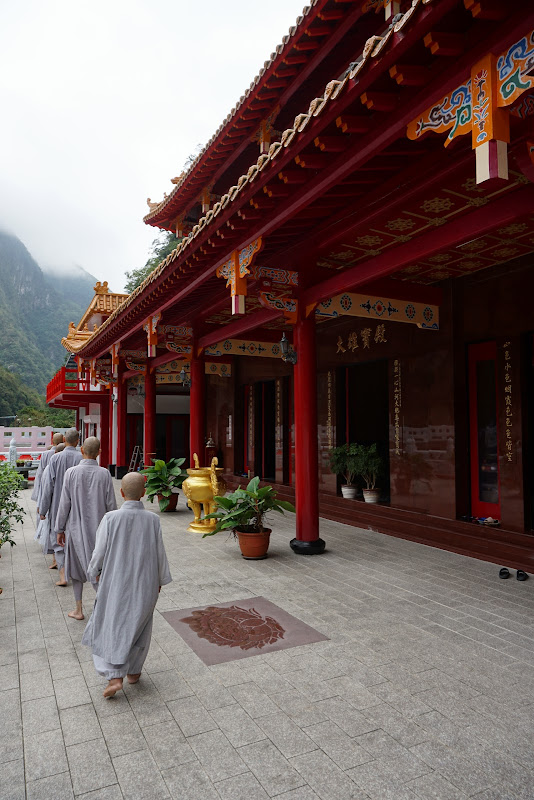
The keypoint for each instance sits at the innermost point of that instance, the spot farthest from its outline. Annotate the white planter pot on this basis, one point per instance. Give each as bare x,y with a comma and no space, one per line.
371,495
349,492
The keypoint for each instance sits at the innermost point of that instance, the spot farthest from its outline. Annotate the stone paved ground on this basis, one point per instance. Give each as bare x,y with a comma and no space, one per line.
425,690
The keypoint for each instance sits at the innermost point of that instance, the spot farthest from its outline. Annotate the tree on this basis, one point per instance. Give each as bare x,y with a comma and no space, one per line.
162,246
43,415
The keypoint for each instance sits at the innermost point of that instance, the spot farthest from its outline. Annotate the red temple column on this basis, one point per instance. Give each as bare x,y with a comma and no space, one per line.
149,432
196,406
307,541
122,410
104,433
110,427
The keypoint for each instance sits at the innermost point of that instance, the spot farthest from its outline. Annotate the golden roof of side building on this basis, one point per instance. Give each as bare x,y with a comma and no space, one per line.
103,303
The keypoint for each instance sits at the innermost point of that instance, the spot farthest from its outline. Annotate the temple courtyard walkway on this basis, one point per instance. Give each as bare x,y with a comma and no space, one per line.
425,688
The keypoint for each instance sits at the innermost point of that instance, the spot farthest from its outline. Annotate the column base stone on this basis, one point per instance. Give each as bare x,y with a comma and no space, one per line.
314,548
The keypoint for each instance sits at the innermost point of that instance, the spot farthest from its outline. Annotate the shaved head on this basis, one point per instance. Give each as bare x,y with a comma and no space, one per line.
133,486
59,447
72,436
91,447
57,438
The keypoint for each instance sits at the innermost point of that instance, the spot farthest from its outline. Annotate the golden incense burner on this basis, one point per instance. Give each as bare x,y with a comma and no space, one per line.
202,485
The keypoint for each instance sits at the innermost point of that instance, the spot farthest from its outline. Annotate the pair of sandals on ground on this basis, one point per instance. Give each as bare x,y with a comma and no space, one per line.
505,573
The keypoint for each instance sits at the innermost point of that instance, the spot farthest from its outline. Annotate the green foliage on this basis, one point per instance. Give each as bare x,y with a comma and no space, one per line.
10,511
343,461
161,248
245,509
41,414
368,463
162,478
13,394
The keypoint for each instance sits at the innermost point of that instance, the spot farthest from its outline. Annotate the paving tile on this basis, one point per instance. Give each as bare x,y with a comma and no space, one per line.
40,715
237,726
253,699
146,703
343,750
90,766
108,793
12,781
139,777
122,734
44,755
11,747
435,787
272,770
10,677
241,787
36,684
353,722
217,756
71,692
191,782
35,661
79,724
106,707
168,745
191,716
170,685
58,787
10,706
326,778
65,665
462,773
302,711
303,793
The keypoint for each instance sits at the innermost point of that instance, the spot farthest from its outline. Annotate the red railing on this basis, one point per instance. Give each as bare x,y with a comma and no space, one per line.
64,381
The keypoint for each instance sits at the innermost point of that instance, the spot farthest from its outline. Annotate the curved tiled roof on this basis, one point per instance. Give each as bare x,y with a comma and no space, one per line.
288,41
374,47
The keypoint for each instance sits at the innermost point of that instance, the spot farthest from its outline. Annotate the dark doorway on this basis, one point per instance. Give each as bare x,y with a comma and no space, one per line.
363,410
134,434
264,430
485,490
172,436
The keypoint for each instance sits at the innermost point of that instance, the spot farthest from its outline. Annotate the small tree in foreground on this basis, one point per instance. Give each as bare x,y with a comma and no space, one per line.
10,510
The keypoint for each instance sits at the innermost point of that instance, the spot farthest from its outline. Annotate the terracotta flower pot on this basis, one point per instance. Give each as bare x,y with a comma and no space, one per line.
173,500
254,546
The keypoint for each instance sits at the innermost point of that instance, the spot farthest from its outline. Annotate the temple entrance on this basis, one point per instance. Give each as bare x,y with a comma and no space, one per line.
172,436
484,453
363,410
264,430
134,434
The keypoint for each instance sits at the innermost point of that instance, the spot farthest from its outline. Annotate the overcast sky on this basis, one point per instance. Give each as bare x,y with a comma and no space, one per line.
101,103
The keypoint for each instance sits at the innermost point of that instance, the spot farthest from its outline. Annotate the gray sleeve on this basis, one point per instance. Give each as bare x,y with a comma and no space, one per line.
97,559
64,507
45,491
111,500
163,564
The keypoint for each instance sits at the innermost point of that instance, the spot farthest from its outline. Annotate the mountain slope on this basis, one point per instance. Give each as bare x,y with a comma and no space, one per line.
34,314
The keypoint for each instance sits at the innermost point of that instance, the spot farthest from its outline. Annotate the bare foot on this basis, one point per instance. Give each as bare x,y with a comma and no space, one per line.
133,678
62,581
74,614
114,686
53,565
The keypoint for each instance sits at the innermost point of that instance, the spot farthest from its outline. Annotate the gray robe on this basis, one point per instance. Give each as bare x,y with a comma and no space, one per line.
129,550
86,495
42,532
43,461
50,491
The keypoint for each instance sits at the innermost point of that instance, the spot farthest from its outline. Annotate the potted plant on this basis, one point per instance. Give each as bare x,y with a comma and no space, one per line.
244,512
369,464
343,462
10,511
163,481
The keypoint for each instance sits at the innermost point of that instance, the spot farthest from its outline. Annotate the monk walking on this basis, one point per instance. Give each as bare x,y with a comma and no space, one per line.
57,438
43,528
50,495
87,494
130,563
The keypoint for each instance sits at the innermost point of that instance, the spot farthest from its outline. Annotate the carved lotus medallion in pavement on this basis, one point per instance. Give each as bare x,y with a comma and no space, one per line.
234,627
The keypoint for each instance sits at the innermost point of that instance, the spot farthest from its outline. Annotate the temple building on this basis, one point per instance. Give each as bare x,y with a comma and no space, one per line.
355,264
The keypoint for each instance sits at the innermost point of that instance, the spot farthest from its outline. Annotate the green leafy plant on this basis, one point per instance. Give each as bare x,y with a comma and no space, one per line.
162,478
368,463
245,509
343,461
10,510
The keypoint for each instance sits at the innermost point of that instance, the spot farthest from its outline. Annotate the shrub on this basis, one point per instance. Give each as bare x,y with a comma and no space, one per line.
10,510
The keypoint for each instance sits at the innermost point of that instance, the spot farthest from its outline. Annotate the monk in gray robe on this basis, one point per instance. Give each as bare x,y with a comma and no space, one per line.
87,494
57,438
50,495
130,563
43,527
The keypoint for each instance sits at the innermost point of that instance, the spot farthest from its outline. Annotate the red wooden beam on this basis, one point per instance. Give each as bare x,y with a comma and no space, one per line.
470,226
164,358
240,326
